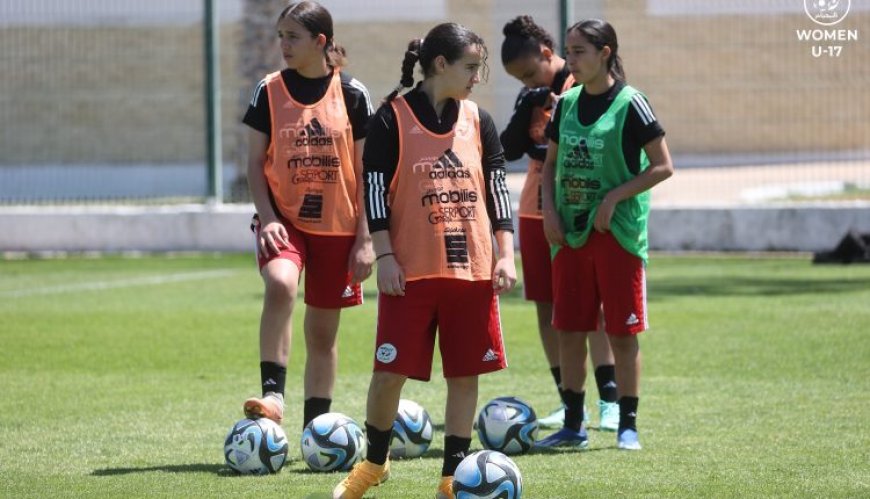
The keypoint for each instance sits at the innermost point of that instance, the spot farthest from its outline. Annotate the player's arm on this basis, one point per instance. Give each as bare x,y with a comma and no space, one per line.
361,257
515,138
498,205
379,165
359,106
553,230
641,122
273,235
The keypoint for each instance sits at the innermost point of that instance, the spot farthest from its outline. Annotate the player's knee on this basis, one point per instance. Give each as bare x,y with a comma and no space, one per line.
462,384
624,345
279,287
387,382
321,342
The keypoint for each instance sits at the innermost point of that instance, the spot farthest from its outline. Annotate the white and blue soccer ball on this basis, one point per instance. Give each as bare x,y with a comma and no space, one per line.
332,442
256,447
412,431
487,474
508,425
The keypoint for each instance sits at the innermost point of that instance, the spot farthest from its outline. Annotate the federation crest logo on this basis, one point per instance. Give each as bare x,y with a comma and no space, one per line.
827,12
386,353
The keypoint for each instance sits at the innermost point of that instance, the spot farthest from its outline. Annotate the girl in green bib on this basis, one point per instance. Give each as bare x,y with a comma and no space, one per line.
528,55
606,150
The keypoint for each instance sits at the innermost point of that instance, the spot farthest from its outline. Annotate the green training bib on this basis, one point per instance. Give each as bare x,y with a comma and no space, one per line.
590,163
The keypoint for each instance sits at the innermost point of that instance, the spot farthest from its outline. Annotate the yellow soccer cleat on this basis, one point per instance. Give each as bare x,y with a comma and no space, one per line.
363,476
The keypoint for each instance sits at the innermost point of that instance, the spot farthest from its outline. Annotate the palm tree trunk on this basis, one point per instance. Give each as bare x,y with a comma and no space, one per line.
258,55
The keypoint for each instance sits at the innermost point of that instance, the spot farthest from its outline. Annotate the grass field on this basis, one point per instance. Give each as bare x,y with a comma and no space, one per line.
121,377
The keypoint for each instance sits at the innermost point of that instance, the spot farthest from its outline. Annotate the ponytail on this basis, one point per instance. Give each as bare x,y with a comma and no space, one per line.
336,56
614,64
412,55
447,40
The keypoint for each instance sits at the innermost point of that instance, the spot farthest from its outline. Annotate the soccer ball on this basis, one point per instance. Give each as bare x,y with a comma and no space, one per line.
412,431
507,424
487,474
256,447
332,442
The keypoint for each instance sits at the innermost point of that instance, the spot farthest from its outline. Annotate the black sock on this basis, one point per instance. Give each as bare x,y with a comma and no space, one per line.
628,413
378,444
557,377
605,378
455,450
574,409
314,406
273,377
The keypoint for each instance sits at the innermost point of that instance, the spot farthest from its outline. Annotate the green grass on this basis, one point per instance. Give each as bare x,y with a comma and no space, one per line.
756,383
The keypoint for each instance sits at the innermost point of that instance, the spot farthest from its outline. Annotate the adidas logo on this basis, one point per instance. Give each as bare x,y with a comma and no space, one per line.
313,134
314,129
348,292
270,382
490,356
632,320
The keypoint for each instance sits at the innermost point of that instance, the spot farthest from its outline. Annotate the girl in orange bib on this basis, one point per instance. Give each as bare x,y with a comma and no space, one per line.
435,192
308,127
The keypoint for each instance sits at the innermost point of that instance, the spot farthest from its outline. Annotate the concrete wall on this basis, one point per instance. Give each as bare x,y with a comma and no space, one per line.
225,228
813,228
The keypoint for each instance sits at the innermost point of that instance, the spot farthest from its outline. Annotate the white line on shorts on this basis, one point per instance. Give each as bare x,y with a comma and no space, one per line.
123,283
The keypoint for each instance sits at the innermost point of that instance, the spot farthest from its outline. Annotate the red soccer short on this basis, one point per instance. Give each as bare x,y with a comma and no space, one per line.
324,258
466,316
599,272
535,256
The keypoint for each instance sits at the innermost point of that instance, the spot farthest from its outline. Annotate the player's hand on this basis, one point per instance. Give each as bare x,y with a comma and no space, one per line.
360,260
538,97
604,214
273,238
553,230
391,277
504,275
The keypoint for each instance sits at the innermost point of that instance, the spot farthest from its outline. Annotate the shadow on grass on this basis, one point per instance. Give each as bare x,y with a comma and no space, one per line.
751,286
566,450
217,469
429,454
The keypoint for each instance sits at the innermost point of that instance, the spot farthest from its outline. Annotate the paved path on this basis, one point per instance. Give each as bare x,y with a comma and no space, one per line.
746,185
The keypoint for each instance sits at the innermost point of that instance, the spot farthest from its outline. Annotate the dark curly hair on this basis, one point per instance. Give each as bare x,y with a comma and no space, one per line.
522,37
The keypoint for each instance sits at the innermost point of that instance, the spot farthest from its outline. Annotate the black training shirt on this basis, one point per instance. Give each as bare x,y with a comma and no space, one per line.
382,155
515,138
308,91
